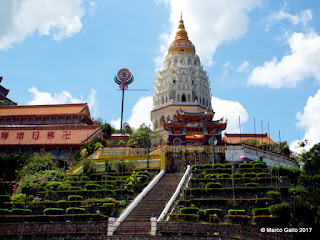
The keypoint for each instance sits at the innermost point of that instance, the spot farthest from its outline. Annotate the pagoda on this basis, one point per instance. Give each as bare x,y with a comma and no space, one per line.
180,84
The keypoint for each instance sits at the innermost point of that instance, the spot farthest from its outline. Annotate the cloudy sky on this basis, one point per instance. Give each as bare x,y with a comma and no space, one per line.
262,57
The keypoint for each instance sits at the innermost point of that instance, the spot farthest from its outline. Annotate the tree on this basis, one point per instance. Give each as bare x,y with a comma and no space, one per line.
311,160
10,164
140,137
107,130
97,121
127,128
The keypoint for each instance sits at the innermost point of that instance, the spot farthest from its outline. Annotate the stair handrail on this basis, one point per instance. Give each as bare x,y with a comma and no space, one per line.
134,203
176,194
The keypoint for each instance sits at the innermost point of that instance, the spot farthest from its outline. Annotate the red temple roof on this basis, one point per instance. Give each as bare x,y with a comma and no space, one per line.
236,138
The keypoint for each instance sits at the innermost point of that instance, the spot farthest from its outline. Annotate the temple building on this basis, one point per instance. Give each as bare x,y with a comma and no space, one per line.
180,84
4,100
60,129
194,129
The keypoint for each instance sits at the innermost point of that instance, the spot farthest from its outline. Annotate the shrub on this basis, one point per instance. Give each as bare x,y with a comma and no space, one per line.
213,185
75,198
260,211
259,165
257,161
237,212
264,220
281,213
53,211
251,184
238,219
4,198
206,166
263,174
74,210
19,211
249,175
210,176
245,165
4,211
227,165
56,186
217,166
189,210
74,188
237,175
212,211
223,175
108,208
84,178
92,186
183,217
273,194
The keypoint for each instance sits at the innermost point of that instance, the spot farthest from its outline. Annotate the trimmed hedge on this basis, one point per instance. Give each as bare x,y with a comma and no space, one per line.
263,220
249,175
212,211
183,217
238,219
273,194
108,208
252,184
259,165
19,211
263,174
223,175
189,210
5,211
74,210
53,211
75,198
260,211
210,176
92,186
245,165
213,185
237,212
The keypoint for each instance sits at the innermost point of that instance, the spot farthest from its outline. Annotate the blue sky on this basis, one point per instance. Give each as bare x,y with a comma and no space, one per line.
262,57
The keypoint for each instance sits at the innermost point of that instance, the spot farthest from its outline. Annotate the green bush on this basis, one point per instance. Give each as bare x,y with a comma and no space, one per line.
217,166
251,184
249,175
237,175
281,210
263,220
19,211
237,212
74,188
4,198
4,211
183,217
238,219
263,174
259,165
75,198
245,165
273,194
92,186
56,186
212,211
227,165
53,211
84,178
210,176
223,175
213,185
108,208
260,211
74,210
189,210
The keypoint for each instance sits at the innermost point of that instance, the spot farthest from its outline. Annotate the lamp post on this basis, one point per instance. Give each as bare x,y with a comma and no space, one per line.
148,145
213,146
27,191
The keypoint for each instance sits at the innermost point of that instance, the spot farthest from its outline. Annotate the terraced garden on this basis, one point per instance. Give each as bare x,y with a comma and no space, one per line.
248,193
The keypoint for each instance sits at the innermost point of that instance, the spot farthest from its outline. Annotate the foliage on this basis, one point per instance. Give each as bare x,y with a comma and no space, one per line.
210,176
54,186
311,160
213,185
214,218
121,143
238,219
140,137
282,148
10,164
108,208
37,163
223,175
245,165
6,103
260,211
236,212
189,210
213,211
74,198
74,210
183,217
281,213
263,220
273,194
90,148
134,181
251,184
249,175
53,211
92,186
19,211
89,167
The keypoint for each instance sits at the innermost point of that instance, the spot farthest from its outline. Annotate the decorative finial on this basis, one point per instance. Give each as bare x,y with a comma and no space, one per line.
181,15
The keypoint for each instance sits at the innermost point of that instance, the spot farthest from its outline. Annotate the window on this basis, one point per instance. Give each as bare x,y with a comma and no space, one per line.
177,141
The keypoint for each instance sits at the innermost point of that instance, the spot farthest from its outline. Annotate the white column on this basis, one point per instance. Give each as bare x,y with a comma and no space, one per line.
153,221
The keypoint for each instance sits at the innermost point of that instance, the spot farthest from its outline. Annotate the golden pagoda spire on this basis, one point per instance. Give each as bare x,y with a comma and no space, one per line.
182,33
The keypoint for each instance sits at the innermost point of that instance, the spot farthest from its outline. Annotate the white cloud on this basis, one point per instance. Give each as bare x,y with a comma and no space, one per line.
21,18
244,67
209,23
301,18
230,110
309,121
140,113
302,62
40,98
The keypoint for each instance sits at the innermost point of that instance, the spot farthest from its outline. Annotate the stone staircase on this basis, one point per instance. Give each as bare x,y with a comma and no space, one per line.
138,221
